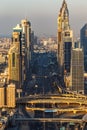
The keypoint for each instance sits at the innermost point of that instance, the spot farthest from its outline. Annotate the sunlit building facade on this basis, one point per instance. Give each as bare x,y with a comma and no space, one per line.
26,31
10,94
14,60
2,97
20,54
65,40
77,70
18,29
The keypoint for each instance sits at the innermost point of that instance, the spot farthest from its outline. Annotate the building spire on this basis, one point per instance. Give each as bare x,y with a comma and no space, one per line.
64,3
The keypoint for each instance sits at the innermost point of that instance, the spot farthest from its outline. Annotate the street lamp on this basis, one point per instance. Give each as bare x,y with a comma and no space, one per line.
36,86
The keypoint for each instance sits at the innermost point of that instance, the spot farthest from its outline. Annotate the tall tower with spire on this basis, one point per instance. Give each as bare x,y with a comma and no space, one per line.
65,40
14,61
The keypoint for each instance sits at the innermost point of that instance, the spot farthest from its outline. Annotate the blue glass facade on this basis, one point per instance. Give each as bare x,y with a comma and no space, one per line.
67,56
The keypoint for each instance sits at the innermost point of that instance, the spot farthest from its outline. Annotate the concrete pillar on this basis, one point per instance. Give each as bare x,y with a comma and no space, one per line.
82,126
58,126
77,127
67,126
24,126
85,127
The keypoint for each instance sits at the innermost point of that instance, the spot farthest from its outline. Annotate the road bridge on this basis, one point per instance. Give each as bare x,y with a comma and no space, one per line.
62,120
52,96
59,110
61,103
51,100
69,96
78,124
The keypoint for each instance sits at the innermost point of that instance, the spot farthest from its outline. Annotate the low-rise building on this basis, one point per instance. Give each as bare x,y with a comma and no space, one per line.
10,93
2,96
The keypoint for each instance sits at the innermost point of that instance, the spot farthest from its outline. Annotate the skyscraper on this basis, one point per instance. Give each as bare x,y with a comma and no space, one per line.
77,70
65,40
26,30
18,29
83,37
14,60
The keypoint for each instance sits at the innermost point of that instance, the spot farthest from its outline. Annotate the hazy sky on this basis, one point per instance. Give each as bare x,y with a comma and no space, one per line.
42,15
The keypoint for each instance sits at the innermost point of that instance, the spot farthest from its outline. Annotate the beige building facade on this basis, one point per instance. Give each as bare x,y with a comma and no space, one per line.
64,39
26,30
2,97
14,61
10,98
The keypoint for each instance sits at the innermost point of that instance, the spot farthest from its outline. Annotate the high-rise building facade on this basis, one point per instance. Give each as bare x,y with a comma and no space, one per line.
18,29
26,31
83,38
67,50
77,70
8,96
11,98
14,60
65,40
20,54
2,97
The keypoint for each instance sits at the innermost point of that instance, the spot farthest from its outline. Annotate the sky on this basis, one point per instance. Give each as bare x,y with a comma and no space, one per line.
42,14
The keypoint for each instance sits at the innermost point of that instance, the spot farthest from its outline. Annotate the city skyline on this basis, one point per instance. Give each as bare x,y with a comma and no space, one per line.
42,15
43,83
